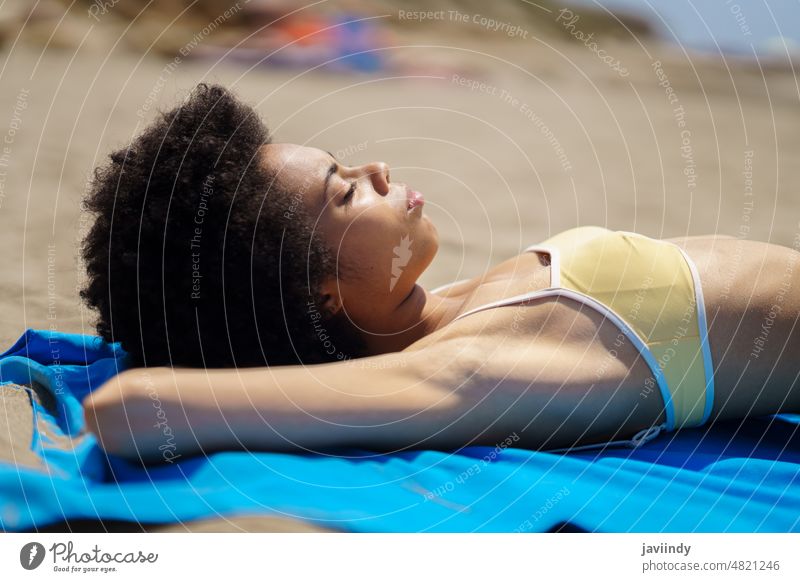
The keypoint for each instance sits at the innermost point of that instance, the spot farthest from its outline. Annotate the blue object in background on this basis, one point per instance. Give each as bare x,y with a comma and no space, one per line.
356,44
763,30
731,477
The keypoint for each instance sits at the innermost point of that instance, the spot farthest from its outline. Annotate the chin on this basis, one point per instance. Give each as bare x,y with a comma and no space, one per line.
434,243
431,229
427,250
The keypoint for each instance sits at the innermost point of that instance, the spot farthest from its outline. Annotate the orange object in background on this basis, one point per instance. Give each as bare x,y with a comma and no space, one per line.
307,30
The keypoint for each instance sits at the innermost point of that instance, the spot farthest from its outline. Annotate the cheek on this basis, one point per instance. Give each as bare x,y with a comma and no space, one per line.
372,241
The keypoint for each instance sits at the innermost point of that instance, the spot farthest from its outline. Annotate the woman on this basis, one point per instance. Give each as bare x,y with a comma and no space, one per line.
214,247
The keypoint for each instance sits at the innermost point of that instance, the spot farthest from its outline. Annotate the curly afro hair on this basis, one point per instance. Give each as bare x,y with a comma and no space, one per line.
196,258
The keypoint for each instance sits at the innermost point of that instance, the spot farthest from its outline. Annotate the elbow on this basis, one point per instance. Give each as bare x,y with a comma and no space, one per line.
105,411
117,415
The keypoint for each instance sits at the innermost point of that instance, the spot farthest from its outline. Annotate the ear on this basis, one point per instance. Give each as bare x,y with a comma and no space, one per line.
331,299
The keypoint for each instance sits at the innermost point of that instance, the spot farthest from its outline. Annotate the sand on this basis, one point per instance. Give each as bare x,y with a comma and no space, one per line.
554,139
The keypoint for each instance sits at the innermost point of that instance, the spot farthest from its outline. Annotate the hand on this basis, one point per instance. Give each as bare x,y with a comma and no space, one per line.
115,414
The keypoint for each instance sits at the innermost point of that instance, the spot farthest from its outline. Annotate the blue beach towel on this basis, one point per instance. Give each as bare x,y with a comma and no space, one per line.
732,477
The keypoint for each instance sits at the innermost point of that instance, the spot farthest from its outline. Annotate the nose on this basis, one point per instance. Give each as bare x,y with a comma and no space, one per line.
378,172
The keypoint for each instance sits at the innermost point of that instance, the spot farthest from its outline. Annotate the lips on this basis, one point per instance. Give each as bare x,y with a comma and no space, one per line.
414,199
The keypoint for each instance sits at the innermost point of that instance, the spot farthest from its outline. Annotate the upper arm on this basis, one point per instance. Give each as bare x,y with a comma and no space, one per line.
575,381
386,401
456,392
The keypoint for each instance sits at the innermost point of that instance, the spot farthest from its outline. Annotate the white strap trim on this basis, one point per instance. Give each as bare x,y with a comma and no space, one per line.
555,262
708,365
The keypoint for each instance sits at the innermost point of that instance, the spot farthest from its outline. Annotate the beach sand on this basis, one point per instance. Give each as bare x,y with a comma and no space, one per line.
555,138
563,141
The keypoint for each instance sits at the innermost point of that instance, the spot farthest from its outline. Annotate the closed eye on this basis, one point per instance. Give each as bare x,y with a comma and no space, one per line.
348,197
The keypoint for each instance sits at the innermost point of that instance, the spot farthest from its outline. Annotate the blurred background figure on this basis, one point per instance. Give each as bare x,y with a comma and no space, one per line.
277,34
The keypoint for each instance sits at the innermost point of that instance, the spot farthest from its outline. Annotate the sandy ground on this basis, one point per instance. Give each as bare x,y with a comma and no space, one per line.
553,139
556,138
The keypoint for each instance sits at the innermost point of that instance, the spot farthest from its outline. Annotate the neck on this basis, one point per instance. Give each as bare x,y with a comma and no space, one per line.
418,315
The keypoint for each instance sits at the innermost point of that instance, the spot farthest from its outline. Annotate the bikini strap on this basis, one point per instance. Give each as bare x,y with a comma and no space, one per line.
555,262
643,436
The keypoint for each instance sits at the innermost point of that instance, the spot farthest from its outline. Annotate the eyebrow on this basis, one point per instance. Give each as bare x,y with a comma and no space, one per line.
331,171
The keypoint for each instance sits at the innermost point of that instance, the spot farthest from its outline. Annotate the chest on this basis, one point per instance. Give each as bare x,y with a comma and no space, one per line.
524,273
539,338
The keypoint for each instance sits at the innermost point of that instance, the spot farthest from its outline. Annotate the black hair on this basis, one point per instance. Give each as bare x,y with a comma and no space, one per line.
197,258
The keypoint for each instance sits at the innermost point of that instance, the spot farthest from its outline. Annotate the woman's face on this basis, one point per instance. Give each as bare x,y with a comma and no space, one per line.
367,221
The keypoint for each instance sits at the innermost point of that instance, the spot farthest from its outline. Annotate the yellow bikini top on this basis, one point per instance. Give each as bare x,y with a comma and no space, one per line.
651,290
